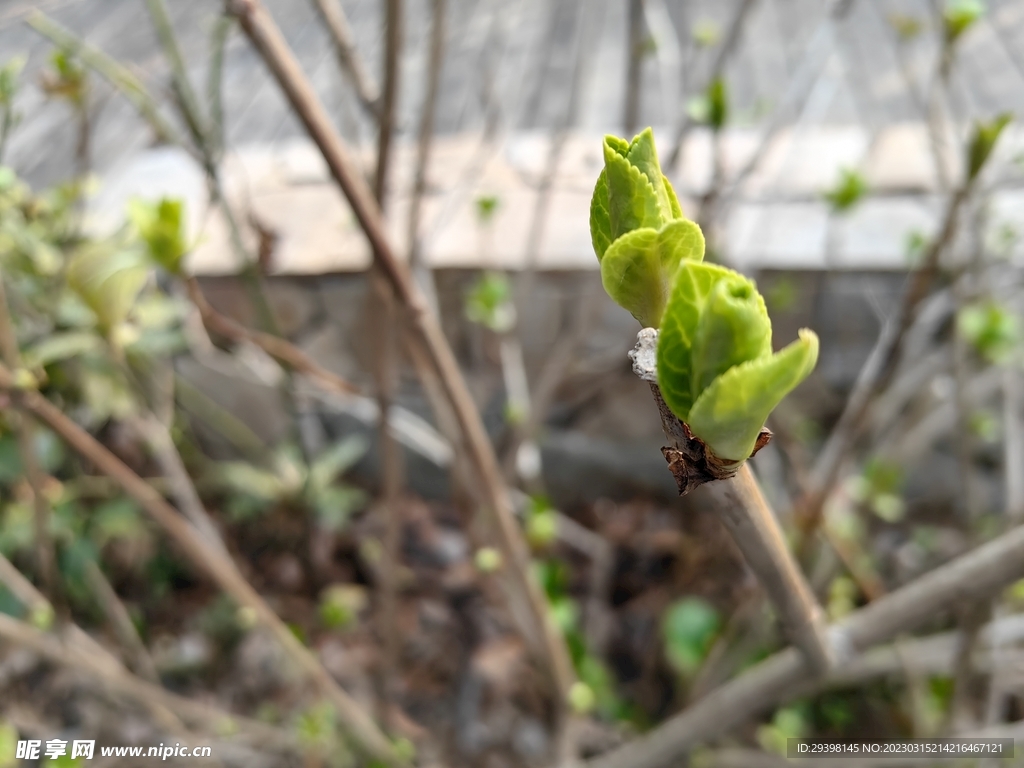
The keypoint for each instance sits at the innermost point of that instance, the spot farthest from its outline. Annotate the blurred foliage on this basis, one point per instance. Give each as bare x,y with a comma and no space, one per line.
847,192
991,328
489,302
983,141
958,16
689,628
792,722
712,107
706,33
289,481
486,207
878,488
906,27
340,605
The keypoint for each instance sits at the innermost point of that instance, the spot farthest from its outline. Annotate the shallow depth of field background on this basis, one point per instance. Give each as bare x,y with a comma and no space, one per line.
818,144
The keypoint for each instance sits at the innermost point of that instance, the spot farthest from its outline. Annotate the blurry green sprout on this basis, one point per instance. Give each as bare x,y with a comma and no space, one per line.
716,368
486,207
788,723
340,605
161,227
958,16
847,192
842,598
878,488
488,559
992,329
712,107
582,698
67,80
489,302
983,141
906,27
914,246
689,627
541,523
985,425
705,33
9,117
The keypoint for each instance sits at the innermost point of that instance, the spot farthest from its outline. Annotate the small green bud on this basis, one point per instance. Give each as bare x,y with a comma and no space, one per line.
488,559
581,698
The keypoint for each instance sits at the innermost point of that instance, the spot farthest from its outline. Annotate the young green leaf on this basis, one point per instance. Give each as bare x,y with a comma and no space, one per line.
161,226
637,269
959,16
733,328
847,192
691,287
108,281
983,141
718,104
729,414
631,192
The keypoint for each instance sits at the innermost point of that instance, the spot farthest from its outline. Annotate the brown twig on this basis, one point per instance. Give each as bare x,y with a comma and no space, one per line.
220,568
120,621
385,372
975,576
540,630
637,38
423,146
278,348
351,62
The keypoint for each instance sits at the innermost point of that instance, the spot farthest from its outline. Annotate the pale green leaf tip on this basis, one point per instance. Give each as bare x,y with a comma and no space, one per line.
729,414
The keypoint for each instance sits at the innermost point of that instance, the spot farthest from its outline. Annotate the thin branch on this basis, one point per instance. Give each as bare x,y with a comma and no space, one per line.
115,678
423,147
540,631
121,621
975,576
157,437
220,568
348,56
279,349
117,74
742,508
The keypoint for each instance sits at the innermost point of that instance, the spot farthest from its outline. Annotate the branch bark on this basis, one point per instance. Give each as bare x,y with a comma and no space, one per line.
268,41
349,59
974,576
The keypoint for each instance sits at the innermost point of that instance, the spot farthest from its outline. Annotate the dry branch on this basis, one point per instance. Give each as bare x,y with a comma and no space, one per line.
540,630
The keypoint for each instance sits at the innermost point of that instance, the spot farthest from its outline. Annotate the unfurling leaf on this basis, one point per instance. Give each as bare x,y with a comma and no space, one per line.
715,366
847,192
108,281
959,15
729,414
162,227
983,141
637,269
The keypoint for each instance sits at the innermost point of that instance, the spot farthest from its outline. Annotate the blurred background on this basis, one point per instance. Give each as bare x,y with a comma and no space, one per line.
834,151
